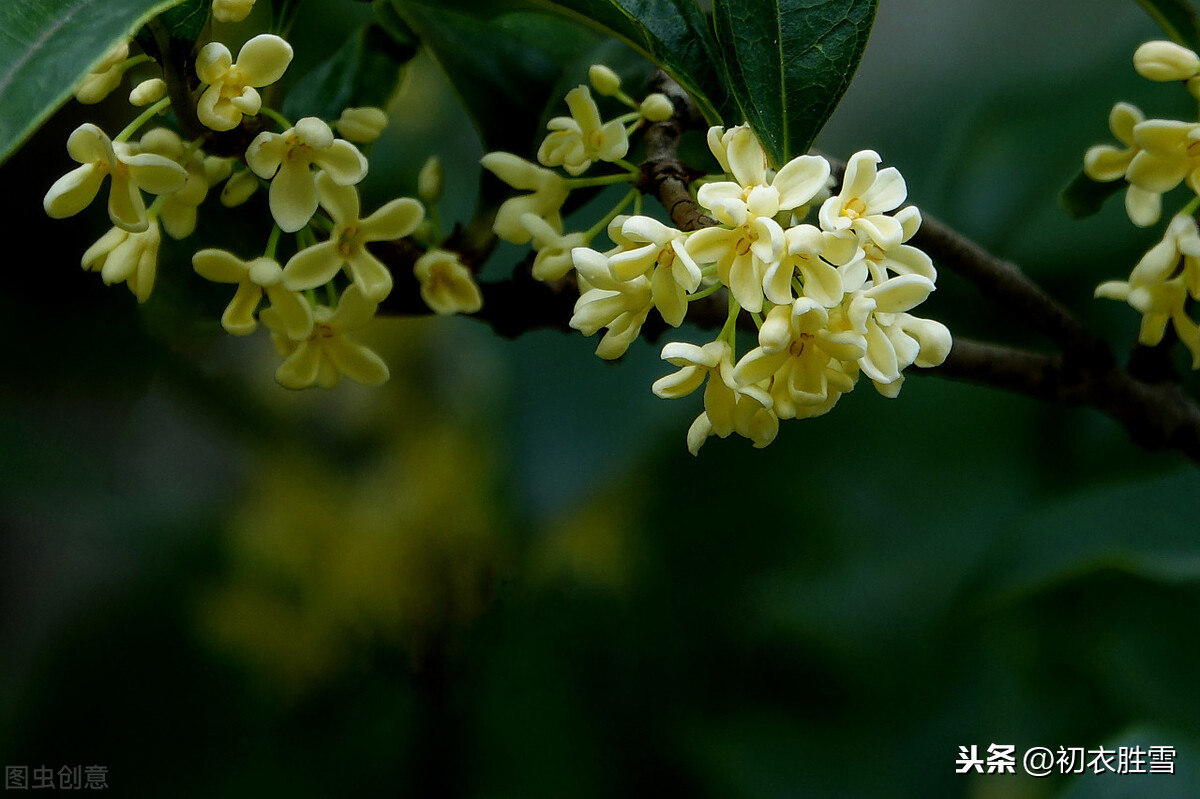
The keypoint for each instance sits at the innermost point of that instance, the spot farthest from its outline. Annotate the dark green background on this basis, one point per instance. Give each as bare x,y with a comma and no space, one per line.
502,575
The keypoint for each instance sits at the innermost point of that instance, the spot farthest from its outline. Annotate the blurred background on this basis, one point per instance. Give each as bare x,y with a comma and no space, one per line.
503,575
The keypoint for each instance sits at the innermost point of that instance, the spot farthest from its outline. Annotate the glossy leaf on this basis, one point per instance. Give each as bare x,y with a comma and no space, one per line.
1177,18
790,62
674,34
365,71
46,46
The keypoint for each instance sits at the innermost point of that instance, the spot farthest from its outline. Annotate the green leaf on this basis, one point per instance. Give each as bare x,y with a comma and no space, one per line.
46,46
1177,19
1084,197
790,62
1146,528
364,71
186,21
505,69
674,34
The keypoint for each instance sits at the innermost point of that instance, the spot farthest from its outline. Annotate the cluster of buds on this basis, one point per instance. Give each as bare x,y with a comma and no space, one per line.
830,300
1156,156
312,167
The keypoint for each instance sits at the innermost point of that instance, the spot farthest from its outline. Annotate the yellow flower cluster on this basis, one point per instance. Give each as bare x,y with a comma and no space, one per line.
830,300
312,175
1156,156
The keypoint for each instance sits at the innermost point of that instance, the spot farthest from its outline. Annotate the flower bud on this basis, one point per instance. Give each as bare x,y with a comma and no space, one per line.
429,181
148,91
231,10
604,80
239,188
657,108
1165,61
362,125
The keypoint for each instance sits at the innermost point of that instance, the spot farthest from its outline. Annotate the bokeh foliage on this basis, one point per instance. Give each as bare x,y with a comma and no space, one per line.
502,574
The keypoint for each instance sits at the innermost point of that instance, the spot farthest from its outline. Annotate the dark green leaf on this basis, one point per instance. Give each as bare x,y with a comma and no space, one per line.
505,69
46,46
674,34
364,71
185,22
1177,19
1084,197
790,62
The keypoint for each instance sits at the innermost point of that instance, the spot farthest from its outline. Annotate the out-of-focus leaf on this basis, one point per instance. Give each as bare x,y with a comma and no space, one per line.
365,71
1150,529
46,46
674,34
789,63
1177,18
1084,197
505,68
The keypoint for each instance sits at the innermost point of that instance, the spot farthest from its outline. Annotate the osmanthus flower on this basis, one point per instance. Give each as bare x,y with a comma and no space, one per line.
621,306
1160,284
575,142
866,197
547,192
346,246
873,312
104,76
899,259
232,86
1106,163
755,191
123,257
811,255
553,247
328,353
1166,61
744,248
254,279
728,407
362,125
808,359
178,210
447,285
648,247
286,160
231,10
131,172
1169,154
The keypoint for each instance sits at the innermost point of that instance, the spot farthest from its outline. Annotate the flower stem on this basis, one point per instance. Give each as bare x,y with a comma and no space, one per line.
596,229
279,119
602,180
141,120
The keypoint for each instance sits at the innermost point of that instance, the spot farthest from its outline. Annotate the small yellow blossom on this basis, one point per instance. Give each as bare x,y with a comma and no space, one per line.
361,125
447,286
285,159
553,247
1165,61
179,209
656,107
661,252
231,10
1105,163
606,82
239,188
1160,285
255,279
232,85
346,246
621,306
866,197
1169,154
580,139
131,172
327,353
105,76
745,251
123,257
148,91
548,192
